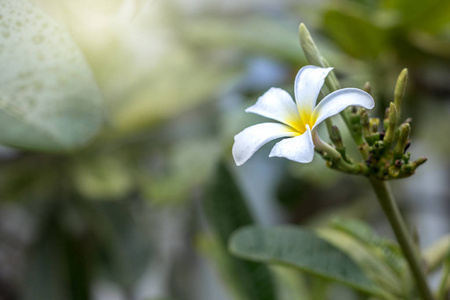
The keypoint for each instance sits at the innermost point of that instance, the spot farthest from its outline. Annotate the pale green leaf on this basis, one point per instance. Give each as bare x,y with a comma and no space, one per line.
436,254
48,97
291,284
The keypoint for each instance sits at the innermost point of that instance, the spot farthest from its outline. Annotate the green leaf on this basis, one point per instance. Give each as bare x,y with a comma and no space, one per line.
59,263
291,284
48,97
302,249
431,15
385,249
378,270
226,211
44,278
354,33
122,252
436,254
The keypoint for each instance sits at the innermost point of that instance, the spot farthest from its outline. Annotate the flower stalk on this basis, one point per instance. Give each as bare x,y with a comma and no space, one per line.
390,208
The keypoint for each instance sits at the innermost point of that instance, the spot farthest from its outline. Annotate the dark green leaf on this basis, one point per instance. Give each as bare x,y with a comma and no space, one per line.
371,262
226,211
430,15
387,250
302,249
354,33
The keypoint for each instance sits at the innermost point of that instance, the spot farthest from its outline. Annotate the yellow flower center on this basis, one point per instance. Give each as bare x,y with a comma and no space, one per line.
299,124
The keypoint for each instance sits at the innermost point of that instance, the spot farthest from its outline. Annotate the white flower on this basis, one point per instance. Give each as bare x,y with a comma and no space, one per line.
299,121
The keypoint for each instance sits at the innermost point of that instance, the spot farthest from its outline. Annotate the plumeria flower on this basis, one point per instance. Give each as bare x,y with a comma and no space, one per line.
300,119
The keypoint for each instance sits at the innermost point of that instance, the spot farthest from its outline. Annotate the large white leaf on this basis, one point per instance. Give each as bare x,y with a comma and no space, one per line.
48,97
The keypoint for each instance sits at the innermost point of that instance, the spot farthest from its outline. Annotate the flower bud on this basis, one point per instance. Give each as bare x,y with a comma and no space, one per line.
410,168
404,131
391,122
374,124
367,87
336,138
315,58
365,123
399,92
309,47
419,161
393,171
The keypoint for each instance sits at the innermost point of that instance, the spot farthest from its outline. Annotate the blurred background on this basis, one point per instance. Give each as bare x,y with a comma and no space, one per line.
123,217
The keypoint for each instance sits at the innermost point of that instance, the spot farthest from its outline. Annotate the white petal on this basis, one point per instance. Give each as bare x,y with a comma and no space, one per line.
299,149
276,104
339,100
308,83
248,141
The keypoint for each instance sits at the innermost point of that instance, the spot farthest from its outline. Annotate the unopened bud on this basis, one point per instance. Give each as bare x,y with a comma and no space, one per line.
393,171
371,139
365,123
378,148
309,47
403,137
391,123
367,87
419,161
314,57
411,167
399,92
335,136
374,124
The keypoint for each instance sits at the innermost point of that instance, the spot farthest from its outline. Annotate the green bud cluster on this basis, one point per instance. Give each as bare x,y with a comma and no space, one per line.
383,151
388,158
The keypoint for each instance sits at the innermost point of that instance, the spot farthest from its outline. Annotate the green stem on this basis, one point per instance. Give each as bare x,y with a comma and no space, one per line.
390,208
335,156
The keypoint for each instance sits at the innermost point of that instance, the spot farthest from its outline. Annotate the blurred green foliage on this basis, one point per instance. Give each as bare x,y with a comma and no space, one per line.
49,99
118,133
